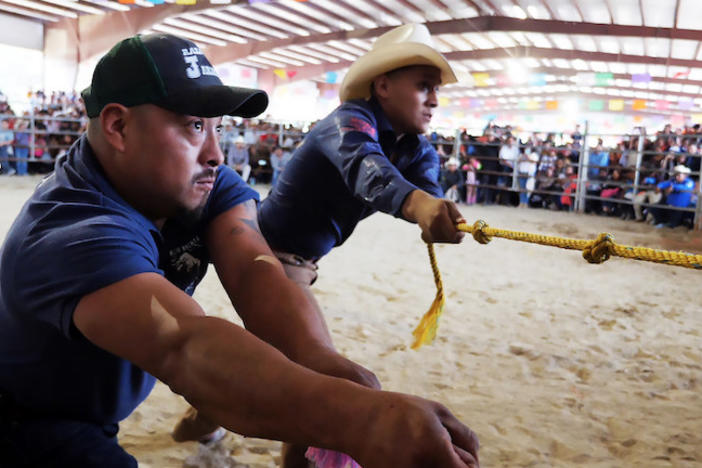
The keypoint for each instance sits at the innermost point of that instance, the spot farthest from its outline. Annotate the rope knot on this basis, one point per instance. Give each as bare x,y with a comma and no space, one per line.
479,234
600,249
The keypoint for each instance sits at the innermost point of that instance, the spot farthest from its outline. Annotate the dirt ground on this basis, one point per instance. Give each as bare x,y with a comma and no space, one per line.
552,361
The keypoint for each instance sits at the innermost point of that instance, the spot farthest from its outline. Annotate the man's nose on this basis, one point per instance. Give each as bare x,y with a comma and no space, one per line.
211,154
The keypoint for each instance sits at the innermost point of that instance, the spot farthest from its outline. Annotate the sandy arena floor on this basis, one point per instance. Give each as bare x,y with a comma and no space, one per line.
552,361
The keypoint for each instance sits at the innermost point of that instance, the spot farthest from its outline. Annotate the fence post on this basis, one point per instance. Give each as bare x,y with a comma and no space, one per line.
33,136
457,145
697,223
583,162
637,174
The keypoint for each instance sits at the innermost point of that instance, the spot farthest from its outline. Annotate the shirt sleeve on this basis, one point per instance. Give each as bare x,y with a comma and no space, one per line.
424,173
229,190
352,146
58,262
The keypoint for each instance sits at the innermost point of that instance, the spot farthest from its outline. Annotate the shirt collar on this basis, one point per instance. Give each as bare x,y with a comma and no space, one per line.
386,134
82,159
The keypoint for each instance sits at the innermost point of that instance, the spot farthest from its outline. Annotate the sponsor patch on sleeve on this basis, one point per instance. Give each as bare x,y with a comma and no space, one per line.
359,125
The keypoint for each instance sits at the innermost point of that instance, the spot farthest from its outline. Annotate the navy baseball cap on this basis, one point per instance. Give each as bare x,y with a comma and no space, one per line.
170,72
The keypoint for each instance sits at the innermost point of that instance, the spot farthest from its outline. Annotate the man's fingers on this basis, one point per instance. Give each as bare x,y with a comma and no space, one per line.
462,436
466,457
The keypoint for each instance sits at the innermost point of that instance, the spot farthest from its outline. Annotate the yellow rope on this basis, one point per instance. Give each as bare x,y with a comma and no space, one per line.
595,251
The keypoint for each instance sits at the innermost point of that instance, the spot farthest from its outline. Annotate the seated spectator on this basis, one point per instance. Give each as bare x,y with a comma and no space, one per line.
546,192
279,158
612,189
452,181
594,189
238,158
569,184
678,194
651,195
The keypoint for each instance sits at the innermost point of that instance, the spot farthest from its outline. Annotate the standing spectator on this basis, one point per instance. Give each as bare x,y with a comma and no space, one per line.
526,170
6,137
577,137
22,143
509,154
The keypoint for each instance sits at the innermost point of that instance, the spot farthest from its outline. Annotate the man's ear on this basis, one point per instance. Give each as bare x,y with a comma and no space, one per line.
381,86
112,121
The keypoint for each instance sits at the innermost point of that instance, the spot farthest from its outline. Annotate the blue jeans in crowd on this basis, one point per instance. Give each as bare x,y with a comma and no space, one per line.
22,154
523,196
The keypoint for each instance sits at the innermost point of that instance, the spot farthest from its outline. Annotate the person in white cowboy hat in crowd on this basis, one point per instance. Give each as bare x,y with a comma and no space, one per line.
238,158
677,193
452,181
368,155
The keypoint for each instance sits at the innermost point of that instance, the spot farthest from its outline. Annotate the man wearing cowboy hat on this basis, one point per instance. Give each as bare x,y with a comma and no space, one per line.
368,155
678,194
452,181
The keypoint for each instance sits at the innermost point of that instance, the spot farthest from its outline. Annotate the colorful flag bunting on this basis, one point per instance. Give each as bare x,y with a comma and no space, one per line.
640,78
551,105
537,79
662,104
481,79
330,77
616,104
604,79
596,105
684,74
280,73
638,104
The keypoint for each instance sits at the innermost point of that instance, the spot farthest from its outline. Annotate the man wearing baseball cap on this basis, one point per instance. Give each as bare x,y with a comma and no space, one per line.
368,155
96,277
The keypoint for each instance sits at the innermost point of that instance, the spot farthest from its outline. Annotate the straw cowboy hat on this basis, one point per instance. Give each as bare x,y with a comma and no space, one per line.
403,46
681,169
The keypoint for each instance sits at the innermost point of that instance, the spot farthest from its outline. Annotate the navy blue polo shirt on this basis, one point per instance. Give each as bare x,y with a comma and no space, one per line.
349,166
74,236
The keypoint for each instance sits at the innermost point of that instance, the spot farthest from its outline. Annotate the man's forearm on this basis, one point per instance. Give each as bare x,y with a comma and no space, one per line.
410,207
280,313
247,386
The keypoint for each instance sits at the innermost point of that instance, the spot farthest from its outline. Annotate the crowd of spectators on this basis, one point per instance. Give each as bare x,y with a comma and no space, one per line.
500,166
258,150
542,171
32,140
